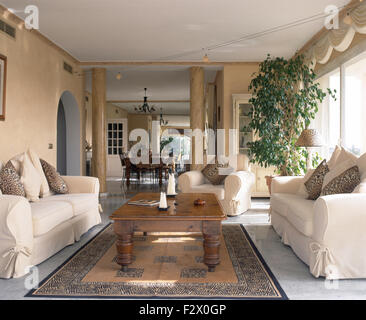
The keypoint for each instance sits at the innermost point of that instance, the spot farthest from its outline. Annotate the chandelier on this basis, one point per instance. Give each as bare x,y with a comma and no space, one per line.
145,108
162,121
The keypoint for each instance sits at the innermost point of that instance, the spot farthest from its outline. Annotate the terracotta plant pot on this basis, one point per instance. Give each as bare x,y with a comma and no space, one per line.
269,182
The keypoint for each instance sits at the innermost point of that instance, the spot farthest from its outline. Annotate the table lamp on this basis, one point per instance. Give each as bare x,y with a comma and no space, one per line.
309,138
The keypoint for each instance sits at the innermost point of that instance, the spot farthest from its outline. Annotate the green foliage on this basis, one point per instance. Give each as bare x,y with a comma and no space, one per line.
165,142
285,100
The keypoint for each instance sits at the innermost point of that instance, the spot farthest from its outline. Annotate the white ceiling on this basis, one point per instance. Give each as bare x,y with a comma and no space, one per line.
148,30
162,82
95,30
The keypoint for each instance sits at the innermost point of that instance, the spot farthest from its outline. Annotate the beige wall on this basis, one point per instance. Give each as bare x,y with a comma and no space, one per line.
114,112
237,79
233,79
35,82
138,121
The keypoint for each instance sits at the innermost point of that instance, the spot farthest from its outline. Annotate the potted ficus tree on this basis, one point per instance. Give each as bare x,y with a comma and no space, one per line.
285,100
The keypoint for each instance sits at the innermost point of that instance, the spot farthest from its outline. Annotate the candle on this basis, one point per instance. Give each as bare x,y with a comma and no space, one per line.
171,185
163,203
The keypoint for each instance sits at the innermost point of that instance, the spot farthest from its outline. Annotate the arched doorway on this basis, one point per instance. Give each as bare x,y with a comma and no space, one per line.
68,136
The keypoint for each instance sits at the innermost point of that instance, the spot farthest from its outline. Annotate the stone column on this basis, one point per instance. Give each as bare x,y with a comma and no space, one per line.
99,106
197,108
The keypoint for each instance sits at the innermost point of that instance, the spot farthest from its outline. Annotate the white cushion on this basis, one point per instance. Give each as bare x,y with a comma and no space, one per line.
17,162
361,163
47,215
333,159
219,190
30,179
298,211
279,202
345,155
80,202
45,189
300,215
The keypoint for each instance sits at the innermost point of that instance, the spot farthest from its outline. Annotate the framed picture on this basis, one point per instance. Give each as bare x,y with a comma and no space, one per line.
2,86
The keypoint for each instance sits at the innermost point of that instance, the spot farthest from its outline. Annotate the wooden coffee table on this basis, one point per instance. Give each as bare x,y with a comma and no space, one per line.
182,216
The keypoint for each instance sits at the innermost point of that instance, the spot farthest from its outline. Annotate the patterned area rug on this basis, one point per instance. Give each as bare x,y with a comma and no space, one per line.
164,266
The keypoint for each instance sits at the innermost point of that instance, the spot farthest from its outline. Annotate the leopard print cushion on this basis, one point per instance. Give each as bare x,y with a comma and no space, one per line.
56,183
10,183
346,182
315,183
211,173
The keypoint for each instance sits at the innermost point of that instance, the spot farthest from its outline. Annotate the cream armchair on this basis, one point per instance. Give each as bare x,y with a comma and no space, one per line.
234,194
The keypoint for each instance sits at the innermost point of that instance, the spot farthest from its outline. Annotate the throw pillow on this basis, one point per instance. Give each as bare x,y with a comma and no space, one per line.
346,182
315,182
1,166
45,189
333,159
56,183
361,163
211,173
30,179
10,183
302,189
361,188
337,170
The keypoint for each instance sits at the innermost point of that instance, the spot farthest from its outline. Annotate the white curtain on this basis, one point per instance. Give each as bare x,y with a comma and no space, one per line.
338,39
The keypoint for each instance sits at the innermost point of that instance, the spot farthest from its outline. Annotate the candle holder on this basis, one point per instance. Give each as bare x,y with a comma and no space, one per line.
164,209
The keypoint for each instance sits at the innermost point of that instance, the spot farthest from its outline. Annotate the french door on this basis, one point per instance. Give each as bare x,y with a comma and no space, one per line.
117,138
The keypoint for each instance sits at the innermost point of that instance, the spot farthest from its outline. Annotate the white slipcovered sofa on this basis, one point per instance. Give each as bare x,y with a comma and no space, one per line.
30,232
234,194
327,234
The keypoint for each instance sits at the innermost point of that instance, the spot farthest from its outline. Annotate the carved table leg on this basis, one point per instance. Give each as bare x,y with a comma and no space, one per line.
211,244
160,176
124,243
128,175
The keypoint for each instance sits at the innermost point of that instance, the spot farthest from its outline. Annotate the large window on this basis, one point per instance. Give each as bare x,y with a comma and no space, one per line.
342,121
354,138
334,109
327,119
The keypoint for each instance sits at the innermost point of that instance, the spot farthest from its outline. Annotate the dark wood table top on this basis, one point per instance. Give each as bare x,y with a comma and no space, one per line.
184,209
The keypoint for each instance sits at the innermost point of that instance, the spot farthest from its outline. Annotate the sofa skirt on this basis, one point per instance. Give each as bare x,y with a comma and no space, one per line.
65,234
298,242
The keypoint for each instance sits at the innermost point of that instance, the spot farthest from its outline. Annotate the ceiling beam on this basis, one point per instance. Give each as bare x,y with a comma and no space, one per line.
150,101
162,63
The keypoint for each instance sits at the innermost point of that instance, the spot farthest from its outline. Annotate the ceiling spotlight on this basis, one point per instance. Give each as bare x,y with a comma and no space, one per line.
205,58
348,19
119,76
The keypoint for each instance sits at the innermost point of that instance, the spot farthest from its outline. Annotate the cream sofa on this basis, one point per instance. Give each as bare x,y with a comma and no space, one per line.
327,234
234,194
30,233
